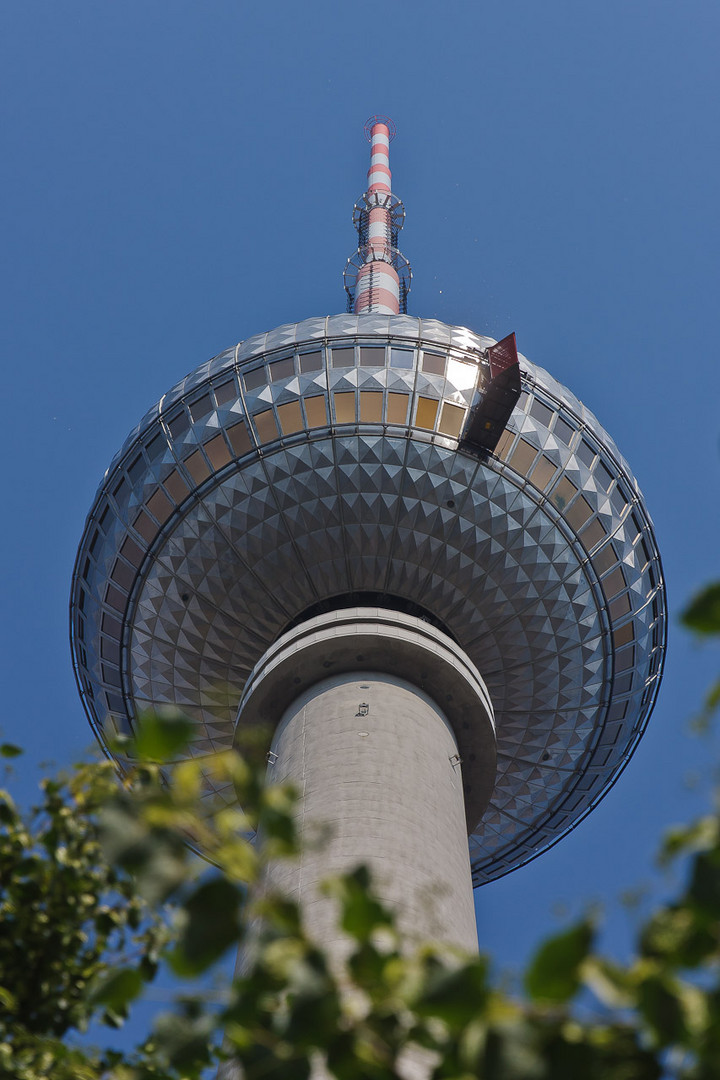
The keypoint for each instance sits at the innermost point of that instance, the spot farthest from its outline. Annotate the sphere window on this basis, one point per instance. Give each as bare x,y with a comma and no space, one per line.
202,407
290,417
254,379
372,357
239,438
282,369
266,425
426,412
343,358
451,419
312,361
344,408
225,392
371,406
316,411
401,358
433,363
397,408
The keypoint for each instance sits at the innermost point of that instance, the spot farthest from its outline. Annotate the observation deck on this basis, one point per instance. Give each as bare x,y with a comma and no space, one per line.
323,464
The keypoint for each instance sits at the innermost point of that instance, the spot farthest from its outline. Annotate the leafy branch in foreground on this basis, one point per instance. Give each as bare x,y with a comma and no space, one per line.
99,886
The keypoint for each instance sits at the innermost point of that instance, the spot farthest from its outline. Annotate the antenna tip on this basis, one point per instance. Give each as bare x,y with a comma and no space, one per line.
389,124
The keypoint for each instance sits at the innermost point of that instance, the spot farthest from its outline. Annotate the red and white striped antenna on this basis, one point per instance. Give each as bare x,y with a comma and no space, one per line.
377,277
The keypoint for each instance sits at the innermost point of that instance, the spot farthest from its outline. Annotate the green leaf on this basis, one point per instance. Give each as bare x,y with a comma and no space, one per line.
554,972
361,913
118,989
211,929
454,995
704,889
703,613
162,734
679,936
699,835
9,750
663,1003
185,1039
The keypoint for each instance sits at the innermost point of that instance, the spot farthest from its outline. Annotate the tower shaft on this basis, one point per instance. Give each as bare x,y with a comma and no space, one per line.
375,710
363,749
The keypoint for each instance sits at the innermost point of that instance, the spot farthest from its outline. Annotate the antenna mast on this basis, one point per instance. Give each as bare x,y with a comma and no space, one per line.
377,277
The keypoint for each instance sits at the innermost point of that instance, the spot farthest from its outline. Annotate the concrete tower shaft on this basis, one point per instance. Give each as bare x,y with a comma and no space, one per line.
375,712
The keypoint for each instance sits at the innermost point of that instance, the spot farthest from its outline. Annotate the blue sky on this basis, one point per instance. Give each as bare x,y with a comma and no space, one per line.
178,176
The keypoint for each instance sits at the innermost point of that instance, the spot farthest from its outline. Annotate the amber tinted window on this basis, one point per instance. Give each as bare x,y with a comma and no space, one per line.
315,411
371,406
426,412
397,408
123,575
197,467
579,512
372,357
622,636
266,425
131,551
522,457
563,493
451,419
619,607
433,363
504,444
344,408
145,526
217,451
592,534
614,582
604,559
239,438
543,472
290,417
177,487
343,357
159,506
311,361
282,369
254,379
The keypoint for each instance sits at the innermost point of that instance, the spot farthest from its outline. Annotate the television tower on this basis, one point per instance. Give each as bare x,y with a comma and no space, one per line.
409,551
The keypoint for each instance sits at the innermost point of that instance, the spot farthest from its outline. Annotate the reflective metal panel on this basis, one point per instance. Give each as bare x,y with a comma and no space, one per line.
272,479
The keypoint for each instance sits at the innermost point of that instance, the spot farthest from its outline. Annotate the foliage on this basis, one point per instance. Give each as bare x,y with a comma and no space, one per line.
101,883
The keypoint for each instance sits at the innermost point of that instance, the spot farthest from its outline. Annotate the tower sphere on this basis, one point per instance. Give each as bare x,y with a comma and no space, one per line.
323,465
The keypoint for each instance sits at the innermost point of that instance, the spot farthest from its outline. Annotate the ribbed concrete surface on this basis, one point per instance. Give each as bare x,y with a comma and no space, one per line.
368,752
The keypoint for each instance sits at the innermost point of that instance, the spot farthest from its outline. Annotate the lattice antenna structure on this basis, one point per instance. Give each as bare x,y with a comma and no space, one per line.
378,276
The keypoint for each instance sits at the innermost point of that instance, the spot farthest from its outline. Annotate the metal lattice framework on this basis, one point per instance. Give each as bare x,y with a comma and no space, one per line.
324,459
